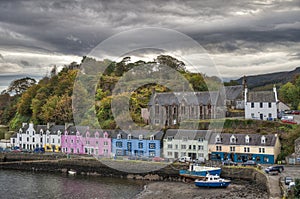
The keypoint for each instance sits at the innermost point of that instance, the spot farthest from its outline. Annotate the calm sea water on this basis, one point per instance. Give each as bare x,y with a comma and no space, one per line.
20,184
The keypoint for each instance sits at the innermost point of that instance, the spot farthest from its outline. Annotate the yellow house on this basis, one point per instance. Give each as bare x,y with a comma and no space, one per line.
263,149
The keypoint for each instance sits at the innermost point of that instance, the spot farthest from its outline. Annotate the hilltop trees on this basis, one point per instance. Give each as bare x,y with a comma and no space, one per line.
290,93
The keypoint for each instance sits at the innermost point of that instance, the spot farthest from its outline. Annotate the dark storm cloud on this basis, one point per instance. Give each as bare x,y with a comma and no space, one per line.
221,27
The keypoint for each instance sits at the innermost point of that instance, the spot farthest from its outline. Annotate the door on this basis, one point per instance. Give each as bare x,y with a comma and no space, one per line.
261,116
176,155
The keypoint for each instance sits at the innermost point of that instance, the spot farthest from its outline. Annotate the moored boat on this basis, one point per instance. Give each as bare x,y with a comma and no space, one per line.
71,172
212,181
199,171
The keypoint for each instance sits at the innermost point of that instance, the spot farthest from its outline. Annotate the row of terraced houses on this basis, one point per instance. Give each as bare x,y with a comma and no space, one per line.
173,144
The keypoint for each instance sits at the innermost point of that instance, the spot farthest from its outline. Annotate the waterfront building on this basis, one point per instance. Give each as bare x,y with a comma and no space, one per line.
186,143
82,140
137,143
261,105
263,149
32,136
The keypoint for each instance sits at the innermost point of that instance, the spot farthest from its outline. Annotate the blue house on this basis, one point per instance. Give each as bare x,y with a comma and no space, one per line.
137,143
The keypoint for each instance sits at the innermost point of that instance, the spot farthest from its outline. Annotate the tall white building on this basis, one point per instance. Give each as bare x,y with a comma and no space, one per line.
32,136
192,143
261,104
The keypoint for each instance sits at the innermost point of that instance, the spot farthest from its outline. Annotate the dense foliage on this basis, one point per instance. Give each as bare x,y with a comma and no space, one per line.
290,93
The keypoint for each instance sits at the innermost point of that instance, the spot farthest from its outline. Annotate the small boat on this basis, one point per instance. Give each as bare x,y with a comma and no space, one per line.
71,172
212,181
198,171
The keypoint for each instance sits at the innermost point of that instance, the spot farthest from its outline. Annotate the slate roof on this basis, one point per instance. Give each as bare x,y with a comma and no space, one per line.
136,133
254,139
261,96
179,134
191,98
234,92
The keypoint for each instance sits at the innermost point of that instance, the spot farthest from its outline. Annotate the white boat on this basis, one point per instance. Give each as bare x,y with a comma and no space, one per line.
71,172
196,171
212,181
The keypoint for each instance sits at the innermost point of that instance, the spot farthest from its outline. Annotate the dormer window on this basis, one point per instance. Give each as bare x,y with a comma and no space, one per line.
129,137
96,135
119,136
58,133
232,139
33,132
169,138
247,139
263,139
140,137
200,140
87,134
105,135
184,139
151,137
218,138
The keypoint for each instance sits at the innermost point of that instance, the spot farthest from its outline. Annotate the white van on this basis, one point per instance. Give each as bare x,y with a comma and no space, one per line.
287,117
184,159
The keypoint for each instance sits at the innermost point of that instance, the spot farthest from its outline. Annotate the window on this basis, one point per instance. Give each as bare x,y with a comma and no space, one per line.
232,139
152,146
156,121
58,141
261,150
252,115
200,147
184,139
119,136
183,154
129,137
263,139
218,138
140,145
247,138
97,135
183,146
72,141
169,138
21,139
140,137
201,155
119,152
97,142
92,150
77,150
152,137
72,150
200,140
152,153
119,144
105,135
33,132
232,149
261,105
252,104
190,147
170,153
77,141
270,105
169,146
194,147
246,149
176,146
129,146
218,148
270,115
105,143
66,140
33,139
27,139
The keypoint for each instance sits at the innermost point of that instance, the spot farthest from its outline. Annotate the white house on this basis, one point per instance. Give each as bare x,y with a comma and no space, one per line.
31,137
192,143
260,104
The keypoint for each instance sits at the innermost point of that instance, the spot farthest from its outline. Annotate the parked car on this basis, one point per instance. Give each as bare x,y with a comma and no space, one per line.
287,180
274,169
295,112
289,121
229,163
291,184
158,159
39,150
249,163
185,159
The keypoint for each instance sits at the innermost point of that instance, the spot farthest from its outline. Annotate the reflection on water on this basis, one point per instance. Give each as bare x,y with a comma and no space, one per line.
18,184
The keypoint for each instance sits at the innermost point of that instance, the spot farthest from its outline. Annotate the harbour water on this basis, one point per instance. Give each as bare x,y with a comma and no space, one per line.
21,184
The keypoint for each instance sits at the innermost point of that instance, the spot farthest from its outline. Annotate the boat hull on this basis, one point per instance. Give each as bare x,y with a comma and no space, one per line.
223,184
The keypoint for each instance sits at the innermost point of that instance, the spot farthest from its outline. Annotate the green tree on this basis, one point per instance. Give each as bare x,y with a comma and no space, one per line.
20,85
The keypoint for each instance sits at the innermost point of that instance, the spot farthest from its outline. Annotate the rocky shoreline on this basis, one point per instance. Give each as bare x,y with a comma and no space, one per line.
237,190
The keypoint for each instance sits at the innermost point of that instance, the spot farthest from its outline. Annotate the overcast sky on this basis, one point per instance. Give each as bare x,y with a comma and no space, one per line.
242,37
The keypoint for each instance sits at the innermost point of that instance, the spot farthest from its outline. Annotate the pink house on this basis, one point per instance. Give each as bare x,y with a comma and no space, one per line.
94,142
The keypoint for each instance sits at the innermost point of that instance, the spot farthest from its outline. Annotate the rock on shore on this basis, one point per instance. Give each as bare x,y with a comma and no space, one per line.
163,190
